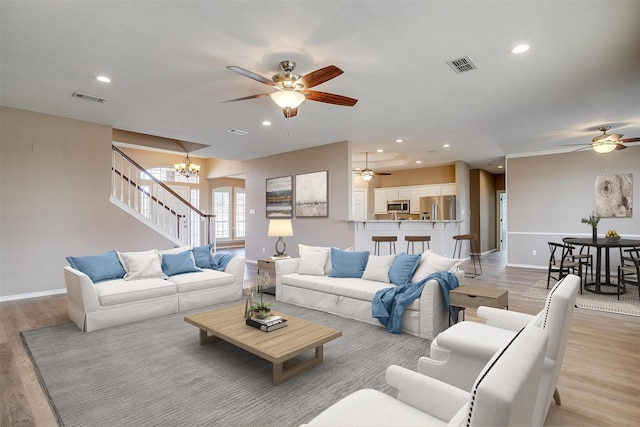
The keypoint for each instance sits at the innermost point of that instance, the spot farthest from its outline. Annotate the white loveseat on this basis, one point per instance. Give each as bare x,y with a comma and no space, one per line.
148,294
352,297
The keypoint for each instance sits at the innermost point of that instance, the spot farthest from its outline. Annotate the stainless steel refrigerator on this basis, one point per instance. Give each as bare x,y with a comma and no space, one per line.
438,208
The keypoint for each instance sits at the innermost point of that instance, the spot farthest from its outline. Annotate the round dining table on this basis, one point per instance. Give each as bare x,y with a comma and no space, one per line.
606,244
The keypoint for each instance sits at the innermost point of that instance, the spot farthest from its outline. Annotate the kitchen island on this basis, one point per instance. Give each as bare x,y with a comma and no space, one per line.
441,233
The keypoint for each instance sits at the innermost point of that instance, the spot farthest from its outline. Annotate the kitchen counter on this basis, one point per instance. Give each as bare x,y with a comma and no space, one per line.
441,233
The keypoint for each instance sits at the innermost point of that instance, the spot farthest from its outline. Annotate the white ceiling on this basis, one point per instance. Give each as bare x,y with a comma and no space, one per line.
167,61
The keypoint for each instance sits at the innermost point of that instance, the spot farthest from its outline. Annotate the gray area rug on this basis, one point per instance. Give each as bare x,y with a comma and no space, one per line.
154,373
628,304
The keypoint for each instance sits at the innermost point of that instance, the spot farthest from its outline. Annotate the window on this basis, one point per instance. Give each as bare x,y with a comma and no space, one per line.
222,210
229,217
169,174
240,212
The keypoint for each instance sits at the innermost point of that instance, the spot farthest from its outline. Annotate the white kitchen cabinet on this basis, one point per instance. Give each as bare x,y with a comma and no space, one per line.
392,194
380,200
404,193
448,189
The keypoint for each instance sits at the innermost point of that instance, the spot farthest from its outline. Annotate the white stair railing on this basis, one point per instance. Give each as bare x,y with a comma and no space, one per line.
152,202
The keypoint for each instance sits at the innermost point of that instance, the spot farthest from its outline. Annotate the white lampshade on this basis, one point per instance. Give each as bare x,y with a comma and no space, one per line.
604,147
280,228
287,98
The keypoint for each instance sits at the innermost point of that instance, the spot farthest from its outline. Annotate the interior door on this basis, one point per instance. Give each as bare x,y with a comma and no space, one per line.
359,210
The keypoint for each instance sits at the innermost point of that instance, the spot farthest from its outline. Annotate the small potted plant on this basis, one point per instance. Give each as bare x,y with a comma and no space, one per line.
593,222
261,309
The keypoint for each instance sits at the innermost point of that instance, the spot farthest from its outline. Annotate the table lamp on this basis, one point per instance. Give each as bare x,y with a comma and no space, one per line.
280,228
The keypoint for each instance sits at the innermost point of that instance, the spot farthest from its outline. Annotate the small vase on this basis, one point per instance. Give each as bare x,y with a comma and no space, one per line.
595,233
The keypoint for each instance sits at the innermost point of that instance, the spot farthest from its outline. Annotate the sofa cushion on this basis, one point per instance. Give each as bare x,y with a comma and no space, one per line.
142,265
431,262
313,263
202,256
121,291
348,263
355,288
99,267
378,268
179,263
205,279
402,268
302,249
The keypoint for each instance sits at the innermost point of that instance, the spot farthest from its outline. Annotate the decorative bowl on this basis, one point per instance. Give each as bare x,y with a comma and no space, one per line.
613,239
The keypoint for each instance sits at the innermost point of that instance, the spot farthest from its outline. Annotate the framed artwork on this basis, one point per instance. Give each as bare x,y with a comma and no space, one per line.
312,195
279,197
614,196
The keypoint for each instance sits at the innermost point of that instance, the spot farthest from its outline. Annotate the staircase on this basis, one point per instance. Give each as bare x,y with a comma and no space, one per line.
152,202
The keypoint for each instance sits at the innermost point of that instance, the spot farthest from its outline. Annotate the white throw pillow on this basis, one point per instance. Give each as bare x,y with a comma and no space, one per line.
431,262
378,268
313,263
142,265
327,266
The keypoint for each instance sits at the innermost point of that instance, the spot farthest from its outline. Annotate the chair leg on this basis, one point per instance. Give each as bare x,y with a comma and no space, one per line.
556,396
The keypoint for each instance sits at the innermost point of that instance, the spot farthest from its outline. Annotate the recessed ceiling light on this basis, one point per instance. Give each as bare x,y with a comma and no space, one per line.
446,145
266,123
380,150
521,48
103,79
418,161
500,167
398,140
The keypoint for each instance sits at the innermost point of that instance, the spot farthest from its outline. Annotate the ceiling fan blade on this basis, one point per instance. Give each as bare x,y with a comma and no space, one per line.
322,75
382,173
247,97
251,75
630,140
329,98
620,146
290,112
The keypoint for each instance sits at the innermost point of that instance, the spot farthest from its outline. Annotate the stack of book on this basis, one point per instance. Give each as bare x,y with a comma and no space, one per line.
268,324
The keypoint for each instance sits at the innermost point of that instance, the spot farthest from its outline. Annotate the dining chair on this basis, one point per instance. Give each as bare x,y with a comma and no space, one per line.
561,261
629,269
585,258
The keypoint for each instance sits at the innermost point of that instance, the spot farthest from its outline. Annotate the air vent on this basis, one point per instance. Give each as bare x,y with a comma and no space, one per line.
237,131
89,97
462,65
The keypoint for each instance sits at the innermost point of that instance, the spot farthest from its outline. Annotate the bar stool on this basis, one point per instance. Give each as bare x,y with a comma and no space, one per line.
414,239
474,251
392,243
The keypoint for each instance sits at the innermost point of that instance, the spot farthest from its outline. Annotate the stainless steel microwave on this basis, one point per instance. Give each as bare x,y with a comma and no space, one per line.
398,206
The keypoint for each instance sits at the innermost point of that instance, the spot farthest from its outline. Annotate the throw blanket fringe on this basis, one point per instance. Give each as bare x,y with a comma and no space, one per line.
220,261
389,303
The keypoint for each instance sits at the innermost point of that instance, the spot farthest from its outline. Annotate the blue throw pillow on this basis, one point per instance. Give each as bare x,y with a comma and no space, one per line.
348,263
179,263
402,268
99,267
202,255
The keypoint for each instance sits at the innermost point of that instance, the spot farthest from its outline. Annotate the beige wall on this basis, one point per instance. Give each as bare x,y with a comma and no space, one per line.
327,231
54,195
419,176
548,195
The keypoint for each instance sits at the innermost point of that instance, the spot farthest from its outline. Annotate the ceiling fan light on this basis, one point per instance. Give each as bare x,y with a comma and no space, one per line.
604,147
367,174
287,98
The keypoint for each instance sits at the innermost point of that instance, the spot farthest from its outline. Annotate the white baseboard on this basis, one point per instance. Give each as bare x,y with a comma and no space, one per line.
32,295
535,267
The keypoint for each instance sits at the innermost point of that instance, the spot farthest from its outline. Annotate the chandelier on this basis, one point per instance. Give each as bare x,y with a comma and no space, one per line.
187,168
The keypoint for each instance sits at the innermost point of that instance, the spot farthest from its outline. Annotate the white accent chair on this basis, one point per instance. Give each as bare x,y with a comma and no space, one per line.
504,394
460,352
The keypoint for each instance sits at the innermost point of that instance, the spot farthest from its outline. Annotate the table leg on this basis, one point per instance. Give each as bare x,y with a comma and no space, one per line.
205,338
280,374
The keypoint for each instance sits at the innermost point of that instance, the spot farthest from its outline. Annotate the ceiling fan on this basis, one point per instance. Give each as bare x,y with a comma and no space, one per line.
293,88
367,173
607,143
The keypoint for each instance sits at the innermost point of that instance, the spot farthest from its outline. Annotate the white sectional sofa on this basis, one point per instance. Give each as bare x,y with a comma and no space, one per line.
143,292
308,283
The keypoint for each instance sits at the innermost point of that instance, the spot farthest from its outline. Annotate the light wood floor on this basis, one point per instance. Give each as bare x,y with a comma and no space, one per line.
599,384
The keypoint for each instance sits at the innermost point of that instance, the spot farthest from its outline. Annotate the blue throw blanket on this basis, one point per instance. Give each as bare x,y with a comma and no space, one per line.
220,261
388,304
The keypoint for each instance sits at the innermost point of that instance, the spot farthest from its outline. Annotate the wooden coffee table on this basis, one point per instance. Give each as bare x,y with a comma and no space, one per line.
278,347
